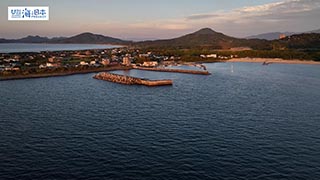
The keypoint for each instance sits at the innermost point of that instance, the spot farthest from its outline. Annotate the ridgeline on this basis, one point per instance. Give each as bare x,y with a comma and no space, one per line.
206,40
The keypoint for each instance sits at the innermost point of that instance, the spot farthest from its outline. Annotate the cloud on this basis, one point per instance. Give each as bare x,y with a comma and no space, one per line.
261,8
277,16
285,15
161,24
283,8
280,8
201,16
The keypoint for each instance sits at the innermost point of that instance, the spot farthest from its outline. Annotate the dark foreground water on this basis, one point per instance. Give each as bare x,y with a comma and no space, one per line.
257,122
38,47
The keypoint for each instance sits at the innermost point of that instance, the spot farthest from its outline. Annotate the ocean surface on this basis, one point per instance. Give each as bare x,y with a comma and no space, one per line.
36,47
244,122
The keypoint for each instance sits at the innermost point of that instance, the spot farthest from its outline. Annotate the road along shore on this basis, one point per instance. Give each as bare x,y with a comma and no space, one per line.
273,60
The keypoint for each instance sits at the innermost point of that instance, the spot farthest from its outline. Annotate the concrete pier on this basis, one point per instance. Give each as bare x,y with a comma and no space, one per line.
174,70
116,78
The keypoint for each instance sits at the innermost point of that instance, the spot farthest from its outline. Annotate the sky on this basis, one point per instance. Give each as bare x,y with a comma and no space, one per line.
160,19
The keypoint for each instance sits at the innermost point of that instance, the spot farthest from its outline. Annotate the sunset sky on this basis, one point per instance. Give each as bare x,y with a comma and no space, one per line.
151,19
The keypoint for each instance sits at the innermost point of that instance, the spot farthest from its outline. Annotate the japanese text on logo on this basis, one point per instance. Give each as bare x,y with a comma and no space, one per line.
28,13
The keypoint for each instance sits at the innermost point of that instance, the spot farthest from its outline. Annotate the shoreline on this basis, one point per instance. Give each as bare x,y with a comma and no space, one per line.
273,60
46,75
113,68
62,50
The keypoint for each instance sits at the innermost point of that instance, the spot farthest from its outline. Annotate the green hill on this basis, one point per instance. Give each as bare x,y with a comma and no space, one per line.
206,38
305,41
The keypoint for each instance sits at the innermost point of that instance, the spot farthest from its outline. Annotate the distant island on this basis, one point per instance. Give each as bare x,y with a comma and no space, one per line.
83,38
204,45
276,35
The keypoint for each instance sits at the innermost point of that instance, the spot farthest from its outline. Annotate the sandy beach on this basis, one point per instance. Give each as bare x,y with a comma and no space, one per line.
273,60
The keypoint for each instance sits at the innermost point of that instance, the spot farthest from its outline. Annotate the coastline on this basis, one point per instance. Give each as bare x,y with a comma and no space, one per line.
85,47
273,60
46,75
112,68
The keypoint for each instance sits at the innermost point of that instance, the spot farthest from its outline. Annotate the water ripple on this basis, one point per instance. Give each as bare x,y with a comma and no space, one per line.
255,123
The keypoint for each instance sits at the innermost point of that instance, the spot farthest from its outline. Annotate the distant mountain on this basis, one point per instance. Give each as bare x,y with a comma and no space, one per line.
58,38
270,36
34,39
84,38
89,38
203,38
206,37
315,31
28,39
2,40
310,41
276,35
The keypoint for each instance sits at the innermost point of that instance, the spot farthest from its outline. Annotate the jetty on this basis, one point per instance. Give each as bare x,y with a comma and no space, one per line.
174,70
116,78
64,73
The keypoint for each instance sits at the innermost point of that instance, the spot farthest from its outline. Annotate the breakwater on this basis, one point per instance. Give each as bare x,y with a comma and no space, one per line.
63,73
174,70
116,78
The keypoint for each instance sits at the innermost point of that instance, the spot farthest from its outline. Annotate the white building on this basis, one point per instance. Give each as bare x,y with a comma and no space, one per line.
83,63
150,63
209,56
49,64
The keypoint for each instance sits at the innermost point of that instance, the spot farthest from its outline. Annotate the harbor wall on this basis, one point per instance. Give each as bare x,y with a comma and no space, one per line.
174,70
116,78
